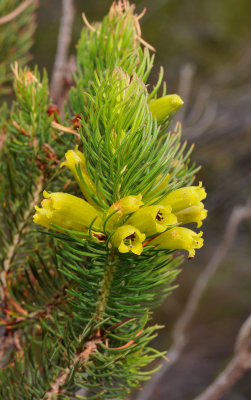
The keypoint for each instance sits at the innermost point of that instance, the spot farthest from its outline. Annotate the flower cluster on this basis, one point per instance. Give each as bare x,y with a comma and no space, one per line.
129,223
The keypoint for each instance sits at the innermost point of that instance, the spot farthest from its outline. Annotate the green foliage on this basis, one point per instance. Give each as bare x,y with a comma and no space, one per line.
27,162
77,310
15,39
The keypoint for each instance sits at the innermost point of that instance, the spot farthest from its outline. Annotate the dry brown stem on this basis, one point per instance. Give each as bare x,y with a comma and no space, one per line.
180,339
240,362
56,386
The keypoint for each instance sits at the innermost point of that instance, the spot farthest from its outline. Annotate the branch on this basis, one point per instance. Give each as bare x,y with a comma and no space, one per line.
203,114
235,369
13,320
184,87
9,17
238,214
64,38
56,386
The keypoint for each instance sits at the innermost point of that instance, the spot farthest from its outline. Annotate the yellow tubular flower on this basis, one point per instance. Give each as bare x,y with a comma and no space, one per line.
179,238
66,211
124,206
73,159
152,219
194,213
128,238
184,197
165,105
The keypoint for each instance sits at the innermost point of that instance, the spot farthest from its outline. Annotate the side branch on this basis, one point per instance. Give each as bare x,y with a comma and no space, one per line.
56,386
238,214
12,15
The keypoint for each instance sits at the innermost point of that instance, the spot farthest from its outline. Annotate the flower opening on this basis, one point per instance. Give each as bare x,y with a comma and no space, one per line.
153,219
128,238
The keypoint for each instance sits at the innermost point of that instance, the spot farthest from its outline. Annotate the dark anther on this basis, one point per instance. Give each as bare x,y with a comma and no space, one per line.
159,216
131,237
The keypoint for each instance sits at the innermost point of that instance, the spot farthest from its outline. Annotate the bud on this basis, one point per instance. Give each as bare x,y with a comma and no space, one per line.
124,206
76,120
179,238
66,211
194,213
53,110
184,197
128,238
153,219
73,159
165,105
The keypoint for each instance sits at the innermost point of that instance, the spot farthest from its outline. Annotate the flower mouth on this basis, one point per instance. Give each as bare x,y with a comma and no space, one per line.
153,219
129,240
164,218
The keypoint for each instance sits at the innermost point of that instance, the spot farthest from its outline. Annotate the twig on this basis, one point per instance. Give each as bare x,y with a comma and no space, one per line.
236,367
63,128
9,17
56,386
87,23
238,214
64,38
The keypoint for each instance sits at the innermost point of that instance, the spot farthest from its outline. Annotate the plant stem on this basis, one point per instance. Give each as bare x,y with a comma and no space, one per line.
105,287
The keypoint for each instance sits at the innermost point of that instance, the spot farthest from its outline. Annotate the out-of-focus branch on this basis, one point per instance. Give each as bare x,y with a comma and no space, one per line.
9,17
184,87
198,119
240,362
61,60
180,339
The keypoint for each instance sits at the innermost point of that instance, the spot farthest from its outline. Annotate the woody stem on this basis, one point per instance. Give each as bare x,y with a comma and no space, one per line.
105,286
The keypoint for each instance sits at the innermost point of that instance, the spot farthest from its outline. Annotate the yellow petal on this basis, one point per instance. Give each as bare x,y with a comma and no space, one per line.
184,197
165,105
75,158
67,211
179,238
121,208
128,238
152,219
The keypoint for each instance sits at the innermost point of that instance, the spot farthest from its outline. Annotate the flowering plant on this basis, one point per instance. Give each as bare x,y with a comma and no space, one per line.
116,188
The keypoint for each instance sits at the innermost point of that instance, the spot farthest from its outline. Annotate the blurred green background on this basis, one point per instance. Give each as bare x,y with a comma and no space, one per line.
204,47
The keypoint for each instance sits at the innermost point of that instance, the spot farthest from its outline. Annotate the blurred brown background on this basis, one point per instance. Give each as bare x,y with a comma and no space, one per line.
204,47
